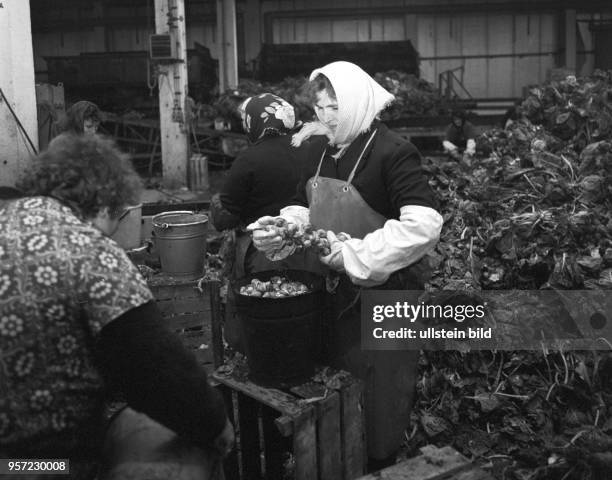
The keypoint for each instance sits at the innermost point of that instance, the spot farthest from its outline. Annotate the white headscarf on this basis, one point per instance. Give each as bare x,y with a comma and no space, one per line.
360,99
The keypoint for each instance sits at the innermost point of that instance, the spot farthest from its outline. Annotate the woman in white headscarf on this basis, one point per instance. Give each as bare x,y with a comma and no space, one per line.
366,181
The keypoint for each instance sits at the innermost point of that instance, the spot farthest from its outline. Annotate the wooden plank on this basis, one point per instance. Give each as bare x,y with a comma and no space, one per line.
273,445
284,425
196,339
434,464
282,402
248,420
329,441
183,305
216,322
165,279
329,438
188,320
475,474
305,446
353,430
170,291
230,464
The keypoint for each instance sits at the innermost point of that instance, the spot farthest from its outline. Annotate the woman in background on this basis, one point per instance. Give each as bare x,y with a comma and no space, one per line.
261,181
82,118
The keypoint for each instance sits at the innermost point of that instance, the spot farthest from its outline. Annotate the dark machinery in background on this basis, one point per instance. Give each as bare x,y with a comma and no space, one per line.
278,61
122,81
117,81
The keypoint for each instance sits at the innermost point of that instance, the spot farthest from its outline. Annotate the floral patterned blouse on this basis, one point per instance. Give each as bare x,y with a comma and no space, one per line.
61,281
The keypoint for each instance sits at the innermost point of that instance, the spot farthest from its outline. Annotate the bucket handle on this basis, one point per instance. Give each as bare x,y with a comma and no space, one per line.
167,225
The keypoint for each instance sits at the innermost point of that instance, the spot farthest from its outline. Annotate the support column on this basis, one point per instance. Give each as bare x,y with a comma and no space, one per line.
570,39
170,18
17,83
252,30
226,39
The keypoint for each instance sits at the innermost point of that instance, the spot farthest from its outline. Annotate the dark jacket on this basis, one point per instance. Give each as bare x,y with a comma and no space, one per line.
388,177
261,181
460,136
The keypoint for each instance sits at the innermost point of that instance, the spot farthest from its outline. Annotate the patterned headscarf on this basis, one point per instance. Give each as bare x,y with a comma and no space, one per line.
266,115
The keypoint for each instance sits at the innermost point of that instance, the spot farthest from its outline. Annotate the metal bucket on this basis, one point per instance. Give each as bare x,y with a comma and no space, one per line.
180,240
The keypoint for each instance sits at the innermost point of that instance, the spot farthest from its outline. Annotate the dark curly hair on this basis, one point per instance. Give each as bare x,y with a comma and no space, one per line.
320,82
86,173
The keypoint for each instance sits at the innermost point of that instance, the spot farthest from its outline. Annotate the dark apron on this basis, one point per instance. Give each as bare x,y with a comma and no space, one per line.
389,376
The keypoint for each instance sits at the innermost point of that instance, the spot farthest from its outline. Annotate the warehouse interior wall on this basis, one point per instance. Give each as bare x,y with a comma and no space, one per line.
499,52
500,45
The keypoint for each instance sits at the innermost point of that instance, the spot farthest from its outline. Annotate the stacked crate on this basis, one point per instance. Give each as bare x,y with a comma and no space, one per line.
186,306
309,432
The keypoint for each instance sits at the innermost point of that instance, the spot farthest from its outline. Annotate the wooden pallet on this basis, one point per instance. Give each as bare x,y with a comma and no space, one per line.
188,310
434,463
311,432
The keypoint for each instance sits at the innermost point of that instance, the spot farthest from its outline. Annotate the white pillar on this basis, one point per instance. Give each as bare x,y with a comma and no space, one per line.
172,93
227,41
17,83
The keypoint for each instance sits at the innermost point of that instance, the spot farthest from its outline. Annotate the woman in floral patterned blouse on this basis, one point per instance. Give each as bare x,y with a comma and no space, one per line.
77,320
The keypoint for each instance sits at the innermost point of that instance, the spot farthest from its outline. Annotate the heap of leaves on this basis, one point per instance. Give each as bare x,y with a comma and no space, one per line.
291,89
521,415
535,210
532,211
413,96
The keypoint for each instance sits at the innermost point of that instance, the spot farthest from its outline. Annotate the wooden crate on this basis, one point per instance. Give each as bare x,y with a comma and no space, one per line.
311,432
434,463
187,308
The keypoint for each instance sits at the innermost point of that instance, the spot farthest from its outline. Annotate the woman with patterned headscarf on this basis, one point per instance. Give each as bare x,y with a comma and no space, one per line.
366,181
261,181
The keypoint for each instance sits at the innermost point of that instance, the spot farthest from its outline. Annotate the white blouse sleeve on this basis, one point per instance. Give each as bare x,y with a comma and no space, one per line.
399,243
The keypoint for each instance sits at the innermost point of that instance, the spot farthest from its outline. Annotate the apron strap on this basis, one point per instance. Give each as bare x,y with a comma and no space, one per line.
316,177
352,174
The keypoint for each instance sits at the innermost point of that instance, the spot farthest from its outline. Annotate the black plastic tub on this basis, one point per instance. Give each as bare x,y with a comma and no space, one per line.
281,335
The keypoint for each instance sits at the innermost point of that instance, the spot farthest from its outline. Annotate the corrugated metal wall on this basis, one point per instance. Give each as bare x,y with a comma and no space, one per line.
500,53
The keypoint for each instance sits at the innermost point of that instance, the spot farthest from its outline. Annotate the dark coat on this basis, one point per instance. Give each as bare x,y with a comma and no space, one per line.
261,181
388,177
